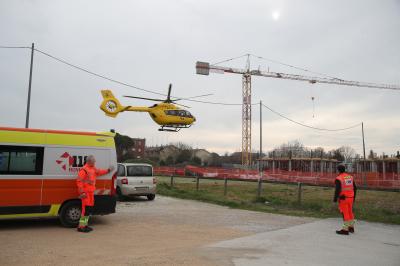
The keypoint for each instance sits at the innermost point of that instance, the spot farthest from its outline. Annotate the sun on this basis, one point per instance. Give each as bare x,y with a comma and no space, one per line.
275,15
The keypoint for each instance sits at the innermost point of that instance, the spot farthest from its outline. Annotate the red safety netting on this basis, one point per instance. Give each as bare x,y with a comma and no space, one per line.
373,179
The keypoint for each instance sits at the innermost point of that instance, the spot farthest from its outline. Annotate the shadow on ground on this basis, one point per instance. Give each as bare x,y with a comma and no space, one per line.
39,223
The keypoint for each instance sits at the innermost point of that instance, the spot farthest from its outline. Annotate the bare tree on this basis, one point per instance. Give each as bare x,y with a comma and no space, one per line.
318,152
372,155
182,146
347,152
291,149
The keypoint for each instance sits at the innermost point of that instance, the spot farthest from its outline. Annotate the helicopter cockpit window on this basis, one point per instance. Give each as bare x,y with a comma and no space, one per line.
181,113
171,112
187,114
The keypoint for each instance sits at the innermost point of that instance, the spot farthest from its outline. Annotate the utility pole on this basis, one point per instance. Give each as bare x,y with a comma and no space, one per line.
29,88
260,129
364,162
260,178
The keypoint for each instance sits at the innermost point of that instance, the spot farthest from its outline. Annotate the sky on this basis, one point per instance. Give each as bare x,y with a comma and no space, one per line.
150,44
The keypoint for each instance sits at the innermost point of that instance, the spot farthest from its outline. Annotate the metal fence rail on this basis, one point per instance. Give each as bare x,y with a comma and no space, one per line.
373,180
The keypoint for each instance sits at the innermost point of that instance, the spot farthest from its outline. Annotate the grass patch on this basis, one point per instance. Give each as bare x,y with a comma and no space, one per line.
374,206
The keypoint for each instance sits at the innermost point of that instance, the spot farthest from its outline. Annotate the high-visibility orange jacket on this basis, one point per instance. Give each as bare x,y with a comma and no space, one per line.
86,180
346,184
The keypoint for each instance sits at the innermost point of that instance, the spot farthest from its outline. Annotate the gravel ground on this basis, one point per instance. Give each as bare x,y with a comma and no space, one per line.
165,231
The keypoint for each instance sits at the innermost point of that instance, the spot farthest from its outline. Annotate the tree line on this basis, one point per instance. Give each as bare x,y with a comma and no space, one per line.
183,154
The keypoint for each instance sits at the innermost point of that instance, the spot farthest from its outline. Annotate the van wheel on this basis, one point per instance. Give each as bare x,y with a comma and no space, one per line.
70,214
151,197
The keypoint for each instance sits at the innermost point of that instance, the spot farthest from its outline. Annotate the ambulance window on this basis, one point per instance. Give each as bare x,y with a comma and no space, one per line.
4,161
21,160
121,170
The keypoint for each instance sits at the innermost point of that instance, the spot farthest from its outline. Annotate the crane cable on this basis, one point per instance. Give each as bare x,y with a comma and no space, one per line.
230,59
294,67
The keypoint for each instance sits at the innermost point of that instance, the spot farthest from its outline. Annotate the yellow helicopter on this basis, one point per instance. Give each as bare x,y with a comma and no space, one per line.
167,114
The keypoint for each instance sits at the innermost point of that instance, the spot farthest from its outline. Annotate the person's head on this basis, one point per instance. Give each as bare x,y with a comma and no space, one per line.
90,160
341,168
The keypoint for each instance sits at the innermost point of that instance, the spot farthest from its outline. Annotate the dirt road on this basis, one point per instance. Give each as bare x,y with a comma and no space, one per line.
162,232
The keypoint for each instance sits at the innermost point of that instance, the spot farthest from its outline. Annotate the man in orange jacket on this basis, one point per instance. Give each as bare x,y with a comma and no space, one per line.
86,183
345,191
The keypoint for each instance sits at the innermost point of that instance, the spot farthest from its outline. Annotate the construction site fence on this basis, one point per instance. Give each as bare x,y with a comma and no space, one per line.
372,180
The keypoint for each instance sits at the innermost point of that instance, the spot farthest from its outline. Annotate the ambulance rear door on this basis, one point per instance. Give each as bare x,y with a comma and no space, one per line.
21,168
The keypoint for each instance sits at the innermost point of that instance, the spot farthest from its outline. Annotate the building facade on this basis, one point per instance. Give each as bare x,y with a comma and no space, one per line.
138,149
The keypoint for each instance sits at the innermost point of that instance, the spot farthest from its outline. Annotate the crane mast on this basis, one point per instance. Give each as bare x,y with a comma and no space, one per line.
204,68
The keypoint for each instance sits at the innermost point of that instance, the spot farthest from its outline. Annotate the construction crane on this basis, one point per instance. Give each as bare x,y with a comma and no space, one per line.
204,68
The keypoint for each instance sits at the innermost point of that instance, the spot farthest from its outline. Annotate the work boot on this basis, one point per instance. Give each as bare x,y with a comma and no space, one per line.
89,228
351,229
83,229
342,232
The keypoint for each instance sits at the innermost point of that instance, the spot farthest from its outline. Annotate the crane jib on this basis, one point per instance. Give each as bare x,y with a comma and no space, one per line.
204,68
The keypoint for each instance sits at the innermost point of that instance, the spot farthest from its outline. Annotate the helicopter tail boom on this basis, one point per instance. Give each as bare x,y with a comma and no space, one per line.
110,105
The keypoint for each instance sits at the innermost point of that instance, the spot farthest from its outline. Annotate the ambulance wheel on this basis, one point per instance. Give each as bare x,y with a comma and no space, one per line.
151,197
70,214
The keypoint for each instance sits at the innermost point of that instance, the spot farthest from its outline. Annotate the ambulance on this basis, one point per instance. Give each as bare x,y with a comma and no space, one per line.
38,170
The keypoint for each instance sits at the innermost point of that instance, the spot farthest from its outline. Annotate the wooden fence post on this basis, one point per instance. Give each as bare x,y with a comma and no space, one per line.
299,185
172,181
259,188
197,182
225,186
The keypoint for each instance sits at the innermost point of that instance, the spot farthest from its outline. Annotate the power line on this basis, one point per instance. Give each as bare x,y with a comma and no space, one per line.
86,70
304,125
186,99
120,82
126,84
217,103
95,74
117,81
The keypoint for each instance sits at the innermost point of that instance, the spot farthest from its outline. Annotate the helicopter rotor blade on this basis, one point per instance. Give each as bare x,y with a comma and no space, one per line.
182,105
169,93
142,98
193,97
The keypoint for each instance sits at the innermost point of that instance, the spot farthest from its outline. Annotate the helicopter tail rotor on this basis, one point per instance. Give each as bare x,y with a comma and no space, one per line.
110,105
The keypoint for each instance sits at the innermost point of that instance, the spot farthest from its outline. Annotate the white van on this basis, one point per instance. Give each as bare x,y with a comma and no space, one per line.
136,179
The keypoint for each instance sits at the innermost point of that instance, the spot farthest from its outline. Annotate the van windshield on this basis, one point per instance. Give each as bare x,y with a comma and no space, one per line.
140,170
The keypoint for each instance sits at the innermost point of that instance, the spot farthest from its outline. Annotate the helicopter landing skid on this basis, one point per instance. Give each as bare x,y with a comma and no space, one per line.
173,128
